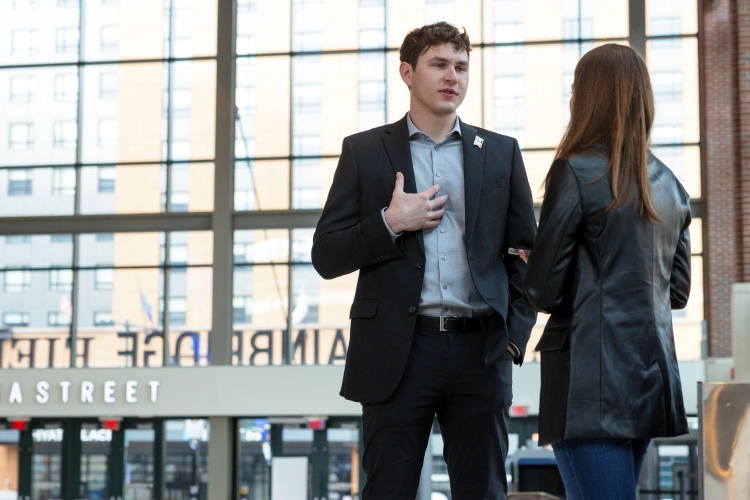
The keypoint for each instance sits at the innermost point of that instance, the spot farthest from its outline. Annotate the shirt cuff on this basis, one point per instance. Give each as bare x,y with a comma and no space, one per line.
516,351
390,231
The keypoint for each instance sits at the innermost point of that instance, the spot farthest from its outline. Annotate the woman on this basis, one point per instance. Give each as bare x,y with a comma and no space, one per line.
611,259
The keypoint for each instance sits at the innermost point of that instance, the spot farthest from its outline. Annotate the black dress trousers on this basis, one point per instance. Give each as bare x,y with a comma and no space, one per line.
445,376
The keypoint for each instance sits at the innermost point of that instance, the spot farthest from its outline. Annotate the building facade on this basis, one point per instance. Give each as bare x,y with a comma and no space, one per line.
162,167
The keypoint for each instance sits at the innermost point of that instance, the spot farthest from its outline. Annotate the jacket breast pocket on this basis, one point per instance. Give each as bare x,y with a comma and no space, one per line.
494,183
364,308
553,339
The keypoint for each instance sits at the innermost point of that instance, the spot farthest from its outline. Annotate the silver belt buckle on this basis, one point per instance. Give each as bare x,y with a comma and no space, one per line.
442,322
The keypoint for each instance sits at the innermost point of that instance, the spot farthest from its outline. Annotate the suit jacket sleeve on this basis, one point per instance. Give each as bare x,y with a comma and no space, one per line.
519,233
556,241
346,240
679,284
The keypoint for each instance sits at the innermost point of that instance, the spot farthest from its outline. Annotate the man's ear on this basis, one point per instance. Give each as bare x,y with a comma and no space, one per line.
406,71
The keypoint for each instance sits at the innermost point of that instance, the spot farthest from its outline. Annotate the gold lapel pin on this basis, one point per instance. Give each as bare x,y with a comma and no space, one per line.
478,141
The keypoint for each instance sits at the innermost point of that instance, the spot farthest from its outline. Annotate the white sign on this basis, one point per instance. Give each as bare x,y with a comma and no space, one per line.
56,435
88,392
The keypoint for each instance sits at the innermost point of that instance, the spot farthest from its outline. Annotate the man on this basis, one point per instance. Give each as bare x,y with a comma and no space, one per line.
439,312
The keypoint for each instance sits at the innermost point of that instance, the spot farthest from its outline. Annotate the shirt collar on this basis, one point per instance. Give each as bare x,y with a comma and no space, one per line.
414,130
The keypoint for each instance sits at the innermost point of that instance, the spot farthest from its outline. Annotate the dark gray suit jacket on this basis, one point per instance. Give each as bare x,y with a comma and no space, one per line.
351,236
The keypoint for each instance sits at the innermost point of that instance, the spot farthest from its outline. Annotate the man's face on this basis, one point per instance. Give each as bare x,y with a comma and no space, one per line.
440,79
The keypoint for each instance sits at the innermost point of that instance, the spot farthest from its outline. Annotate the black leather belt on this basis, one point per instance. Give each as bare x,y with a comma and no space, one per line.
449,323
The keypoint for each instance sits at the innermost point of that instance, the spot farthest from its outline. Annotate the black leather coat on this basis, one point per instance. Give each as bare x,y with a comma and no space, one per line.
609,280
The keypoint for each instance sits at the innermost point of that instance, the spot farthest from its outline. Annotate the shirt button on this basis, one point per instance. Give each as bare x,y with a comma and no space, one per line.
438,174
445,287
445,258
437,147
442,230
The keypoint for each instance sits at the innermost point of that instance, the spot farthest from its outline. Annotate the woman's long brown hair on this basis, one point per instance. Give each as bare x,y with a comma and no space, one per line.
613,107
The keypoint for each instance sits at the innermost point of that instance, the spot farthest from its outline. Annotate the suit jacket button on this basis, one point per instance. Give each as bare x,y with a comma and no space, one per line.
412,310
420,265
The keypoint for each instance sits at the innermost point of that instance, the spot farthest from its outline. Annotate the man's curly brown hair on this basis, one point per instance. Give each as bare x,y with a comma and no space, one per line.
419,40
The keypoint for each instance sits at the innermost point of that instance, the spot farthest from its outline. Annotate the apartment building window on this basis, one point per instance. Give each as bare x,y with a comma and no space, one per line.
66,87
58,319
23,4
19,239
66,40
64,182
509,91
180,200
61,238
22,89
667,86
100,237
17,281
181,102
61,280
371,96
246,44
68,3
103,318
20,182
106,181
245,100
107,133
306,145
16,319
244,6
23,43
108,86
65,134
665,26
110,39
574,29
307,98
307,40
177,311
21,136
241,309
104,279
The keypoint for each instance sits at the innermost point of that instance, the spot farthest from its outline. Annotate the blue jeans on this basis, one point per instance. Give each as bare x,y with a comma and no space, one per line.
600,469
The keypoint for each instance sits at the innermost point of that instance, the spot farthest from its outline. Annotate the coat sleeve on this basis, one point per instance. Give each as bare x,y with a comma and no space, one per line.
519,233
345,240
679,284
556,242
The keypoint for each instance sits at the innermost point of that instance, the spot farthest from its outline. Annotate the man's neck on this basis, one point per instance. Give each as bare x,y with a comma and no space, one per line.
436,127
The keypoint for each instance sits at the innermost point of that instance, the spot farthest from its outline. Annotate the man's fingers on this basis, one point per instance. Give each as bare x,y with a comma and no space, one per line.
399,182
436,214
439,201
431,191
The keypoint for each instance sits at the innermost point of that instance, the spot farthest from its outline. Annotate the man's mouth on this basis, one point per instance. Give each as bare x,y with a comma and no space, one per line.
449,92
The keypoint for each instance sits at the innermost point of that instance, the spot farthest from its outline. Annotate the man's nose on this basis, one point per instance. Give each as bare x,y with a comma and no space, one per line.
450,75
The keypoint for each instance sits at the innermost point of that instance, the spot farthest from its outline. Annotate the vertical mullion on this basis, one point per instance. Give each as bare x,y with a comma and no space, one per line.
286,340
637,16
385,59
168,192
482,58
73,336
220,337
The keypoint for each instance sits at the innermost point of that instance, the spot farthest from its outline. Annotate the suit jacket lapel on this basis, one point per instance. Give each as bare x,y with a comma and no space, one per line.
473,172
396,143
